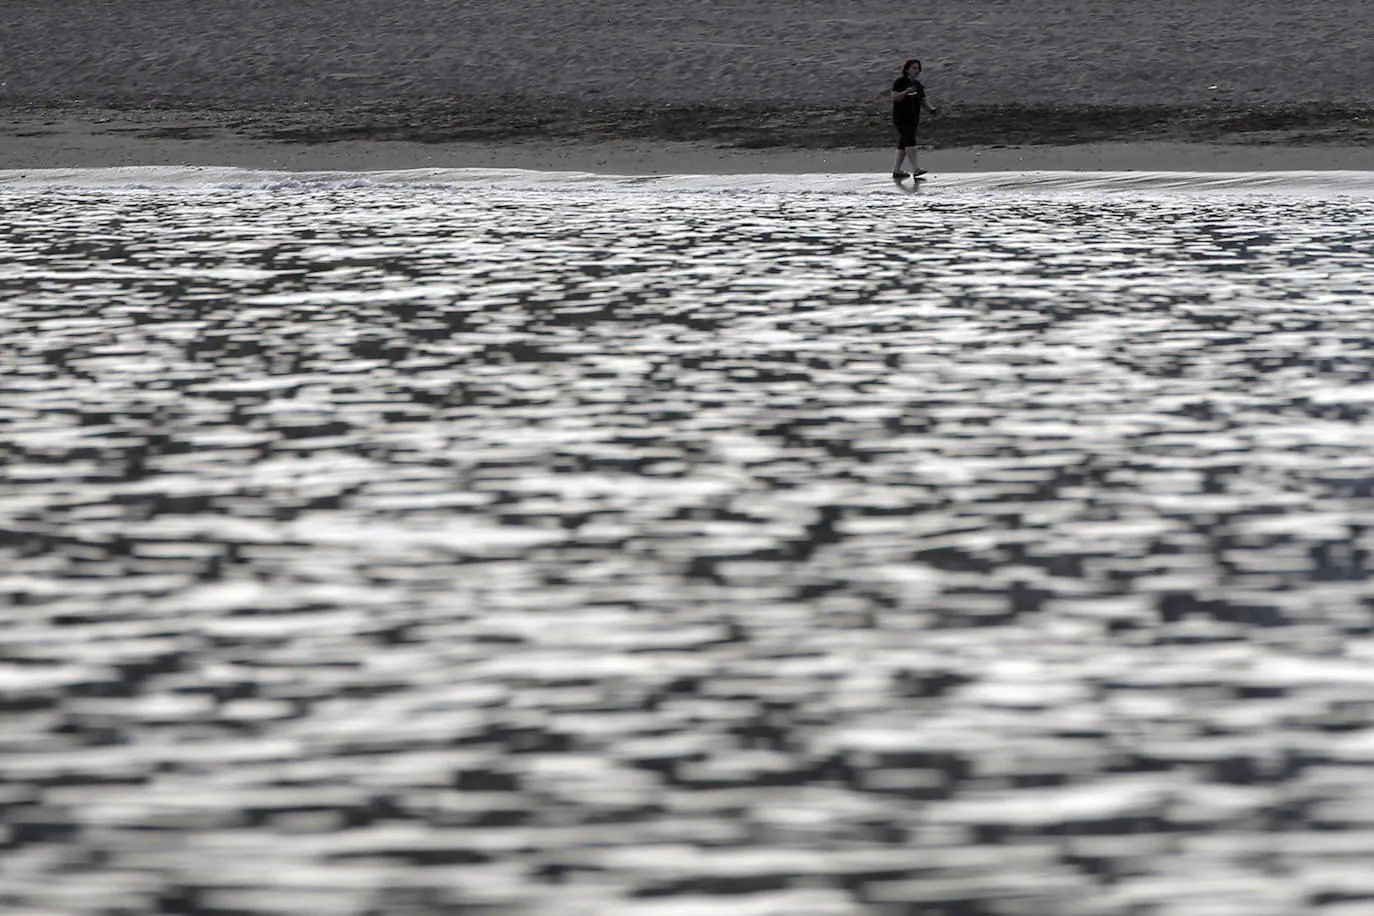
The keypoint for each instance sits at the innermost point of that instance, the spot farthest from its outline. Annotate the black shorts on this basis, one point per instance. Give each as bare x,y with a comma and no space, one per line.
906,133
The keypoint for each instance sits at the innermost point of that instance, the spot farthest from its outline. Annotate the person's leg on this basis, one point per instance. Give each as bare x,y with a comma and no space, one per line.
897,164
911,155
905,142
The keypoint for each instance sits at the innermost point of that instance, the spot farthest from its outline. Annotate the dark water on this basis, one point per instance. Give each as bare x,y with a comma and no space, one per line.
626,547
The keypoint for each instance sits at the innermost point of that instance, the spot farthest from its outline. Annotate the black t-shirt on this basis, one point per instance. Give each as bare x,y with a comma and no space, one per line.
909,108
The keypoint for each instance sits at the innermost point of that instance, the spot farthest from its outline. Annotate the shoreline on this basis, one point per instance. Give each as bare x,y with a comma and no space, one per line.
292,140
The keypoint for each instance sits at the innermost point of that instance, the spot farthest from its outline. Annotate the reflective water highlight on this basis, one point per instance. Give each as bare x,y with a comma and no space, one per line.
601,549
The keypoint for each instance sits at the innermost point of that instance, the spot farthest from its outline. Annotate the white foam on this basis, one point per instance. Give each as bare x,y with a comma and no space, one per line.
1321,183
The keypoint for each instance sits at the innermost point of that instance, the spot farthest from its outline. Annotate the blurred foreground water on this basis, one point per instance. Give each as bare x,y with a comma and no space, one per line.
486,543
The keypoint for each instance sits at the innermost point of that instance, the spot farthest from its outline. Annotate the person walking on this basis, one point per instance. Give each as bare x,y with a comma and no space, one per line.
908,101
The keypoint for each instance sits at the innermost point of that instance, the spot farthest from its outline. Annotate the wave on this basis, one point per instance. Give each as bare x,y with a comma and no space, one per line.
1322,183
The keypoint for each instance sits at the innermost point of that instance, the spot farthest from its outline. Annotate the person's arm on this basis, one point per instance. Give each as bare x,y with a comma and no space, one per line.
926,106
901,95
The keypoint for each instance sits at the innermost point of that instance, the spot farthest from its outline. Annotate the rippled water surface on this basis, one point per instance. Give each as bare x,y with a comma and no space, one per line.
648,547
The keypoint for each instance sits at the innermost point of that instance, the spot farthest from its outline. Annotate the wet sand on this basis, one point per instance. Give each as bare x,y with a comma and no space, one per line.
354,141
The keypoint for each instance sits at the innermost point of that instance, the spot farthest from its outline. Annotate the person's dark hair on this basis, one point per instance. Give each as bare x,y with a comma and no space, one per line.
907,66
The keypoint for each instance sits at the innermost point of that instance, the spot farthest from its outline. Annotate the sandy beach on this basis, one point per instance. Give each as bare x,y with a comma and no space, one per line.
106,138
637,86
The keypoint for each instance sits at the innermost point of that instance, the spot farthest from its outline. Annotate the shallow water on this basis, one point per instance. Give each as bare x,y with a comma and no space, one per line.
488,542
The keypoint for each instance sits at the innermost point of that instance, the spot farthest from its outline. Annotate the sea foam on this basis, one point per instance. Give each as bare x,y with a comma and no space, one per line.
1325,183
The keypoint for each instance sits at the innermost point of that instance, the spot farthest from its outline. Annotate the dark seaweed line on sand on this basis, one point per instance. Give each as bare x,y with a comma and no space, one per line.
958,126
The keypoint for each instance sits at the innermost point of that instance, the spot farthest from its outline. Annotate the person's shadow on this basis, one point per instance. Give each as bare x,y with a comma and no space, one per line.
913,188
